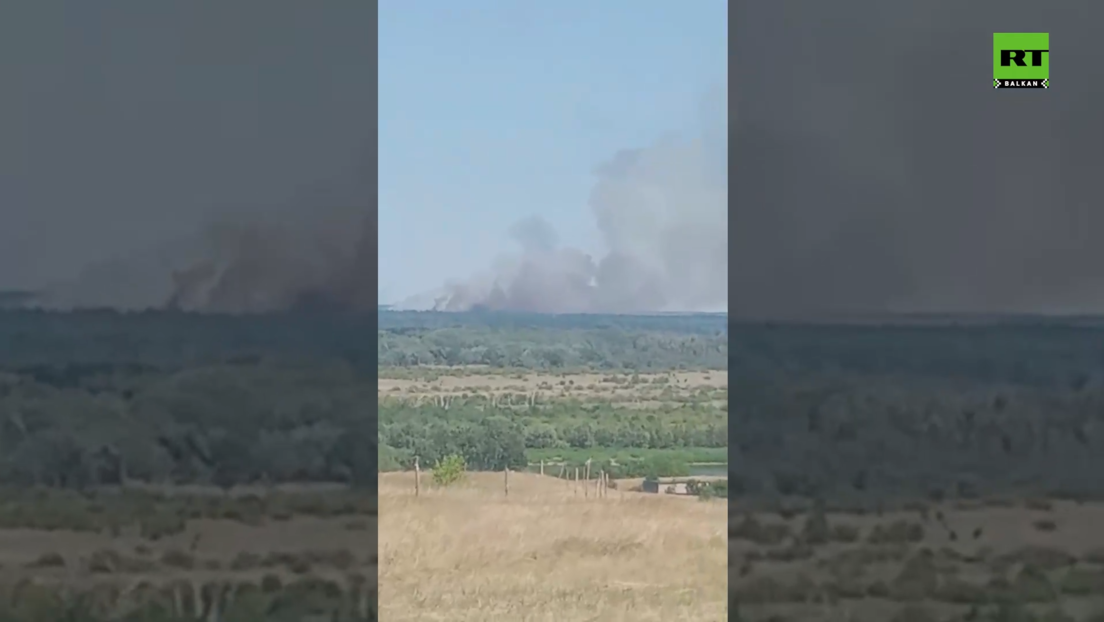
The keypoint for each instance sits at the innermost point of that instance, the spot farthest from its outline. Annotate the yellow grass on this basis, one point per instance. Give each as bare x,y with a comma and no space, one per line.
575,384
546,553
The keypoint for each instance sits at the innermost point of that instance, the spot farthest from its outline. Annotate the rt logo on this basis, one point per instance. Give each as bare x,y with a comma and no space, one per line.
1021,60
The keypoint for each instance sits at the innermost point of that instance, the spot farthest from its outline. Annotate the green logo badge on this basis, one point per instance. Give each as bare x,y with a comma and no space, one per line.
1021,60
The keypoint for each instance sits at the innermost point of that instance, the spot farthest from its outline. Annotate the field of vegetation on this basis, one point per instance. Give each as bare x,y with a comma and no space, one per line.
939,470
162,466
927,470
546,553
635,395
633,398
175,467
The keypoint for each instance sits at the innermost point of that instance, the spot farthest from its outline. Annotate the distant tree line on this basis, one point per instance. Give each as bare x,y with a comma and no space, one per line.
221,425
102,397
954,413
169,340
815,410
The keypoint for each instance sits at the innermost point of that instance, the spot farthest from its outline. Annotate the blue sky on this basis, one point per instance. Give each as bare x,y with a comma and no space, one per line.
494,110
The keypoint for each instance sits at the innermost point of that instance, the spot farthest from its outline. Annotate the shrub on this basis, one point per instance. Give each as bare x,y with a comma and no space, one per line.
449,470
708,490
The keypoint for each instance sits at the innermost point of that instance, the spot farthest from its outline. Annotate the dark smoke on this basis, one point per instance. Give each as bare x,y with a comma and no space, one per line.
318,252
662,213
256,269
876,169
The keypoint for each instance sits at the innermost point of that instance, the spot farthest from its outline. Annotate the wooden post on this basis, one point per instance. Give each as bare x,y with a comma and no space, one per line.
417,477
586,478
601,483
542,467
506,481
576,488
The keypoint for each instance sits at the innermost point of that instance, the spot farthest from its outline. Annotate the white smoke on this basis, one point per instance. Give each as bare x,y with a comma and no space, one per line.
662,212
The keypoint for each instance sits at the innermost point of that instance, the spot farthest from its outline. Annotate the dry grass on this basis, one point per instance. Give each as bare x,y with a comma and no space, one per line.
331,557
618,387
547,554
950,558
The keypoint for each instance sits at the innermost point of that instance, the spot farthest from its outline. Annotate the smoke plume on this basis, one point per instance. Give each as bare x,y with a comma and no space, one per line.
662,214
318,251
253,268
877,169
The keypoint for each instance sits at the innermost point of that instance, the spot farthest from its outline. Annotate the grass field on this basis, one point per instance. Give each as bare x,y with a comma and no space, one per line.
186,552
995,560
640,390
711,455
470,553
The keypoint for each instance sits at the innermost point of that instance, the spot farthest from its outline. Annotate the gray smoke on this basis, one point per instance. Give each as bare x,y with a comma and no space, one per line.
662,213
317,250
194,138
876,169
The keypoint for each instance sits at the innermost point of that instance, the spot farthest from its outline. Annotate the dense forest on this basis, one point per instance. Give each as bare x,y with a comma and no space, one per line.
861,409
503,437
968,409
174,340
101,397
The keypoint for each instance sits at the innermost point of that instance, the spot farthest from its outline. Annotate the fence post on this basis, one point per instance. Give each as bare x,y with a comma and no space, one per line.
417,477
506,481
586,484
542,468
576,488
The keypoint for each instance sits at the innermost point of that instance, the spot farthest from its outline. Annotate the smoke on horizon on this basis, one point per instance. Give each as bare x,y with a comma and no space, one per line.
876,170
318,251
662,211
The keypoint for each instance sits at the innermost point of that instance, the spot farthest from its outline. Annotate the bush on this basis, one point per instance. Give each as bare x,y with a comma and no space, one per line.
449,470
708,490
